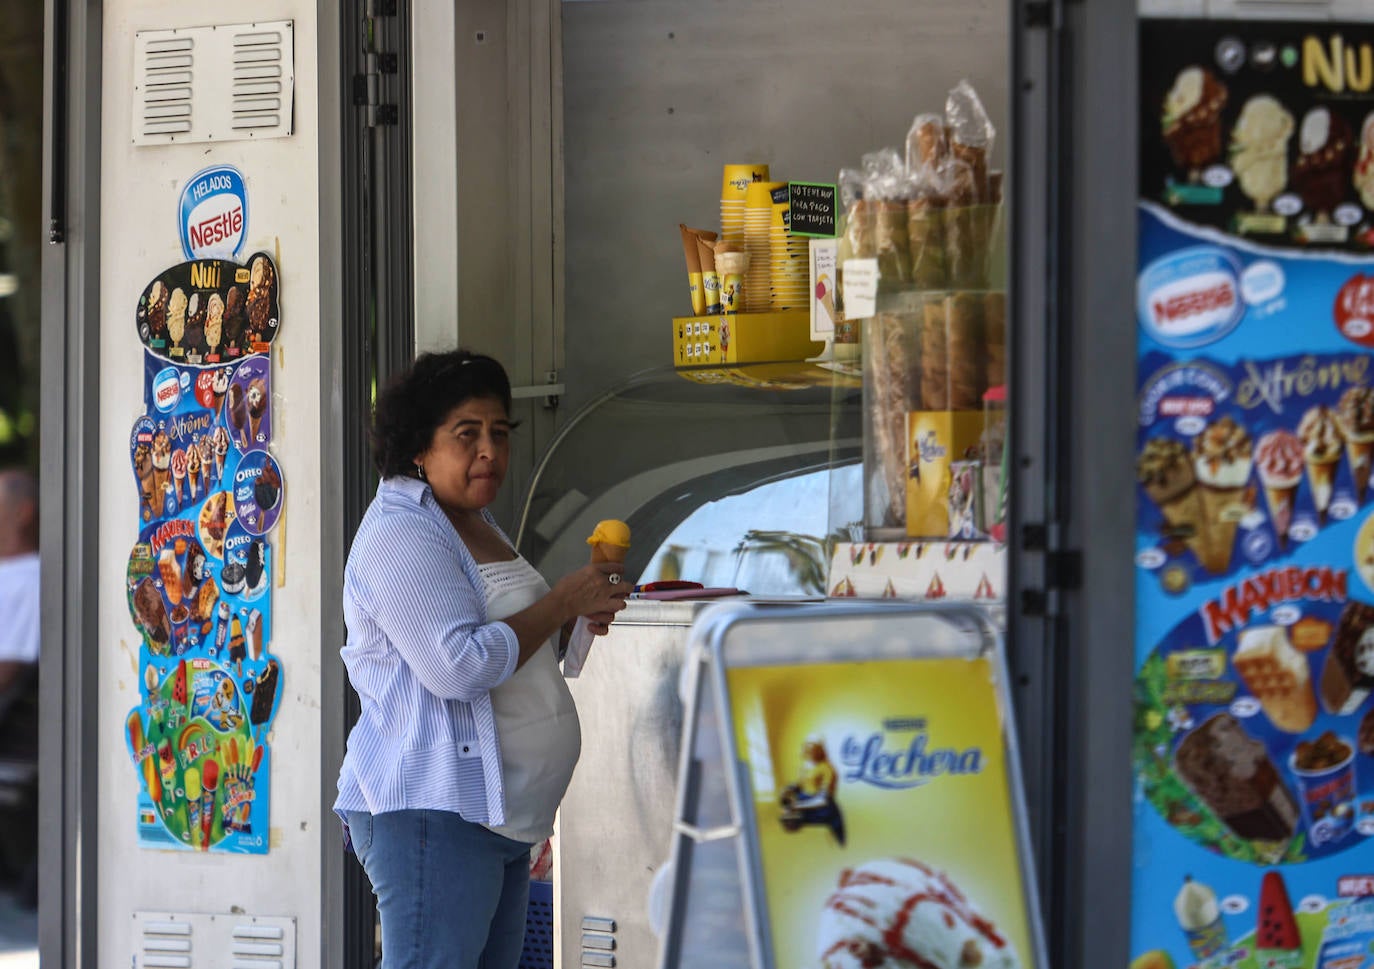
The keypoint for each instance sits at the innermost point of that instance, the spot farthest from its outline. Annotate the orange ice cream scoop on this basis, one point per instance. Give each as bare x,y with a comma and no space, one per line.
610,540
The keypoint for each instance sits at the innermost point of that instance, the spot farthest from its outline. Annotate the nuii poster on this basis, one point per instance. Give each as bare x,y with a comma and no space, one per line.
884,813
198,582
1253,745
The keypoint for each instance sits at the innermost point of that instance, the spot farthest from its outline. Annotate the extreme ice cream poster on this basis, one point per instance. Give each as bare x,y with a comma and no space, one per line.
886,831
1253,748
207,496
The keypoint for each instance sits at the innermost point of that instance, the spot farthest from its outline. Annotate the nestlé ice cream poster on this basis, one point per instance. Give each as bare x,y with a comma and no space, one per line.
1253,752
208,498
886,834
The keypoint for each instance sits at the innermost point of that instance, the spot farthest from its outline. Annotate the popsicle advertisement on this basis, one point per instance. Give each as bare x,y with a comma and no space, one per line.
1253,748
884,817
208,497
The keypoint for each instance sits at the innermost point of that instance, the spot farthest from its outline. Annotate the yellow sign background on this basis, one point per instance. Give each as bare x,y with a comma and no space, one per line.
961,824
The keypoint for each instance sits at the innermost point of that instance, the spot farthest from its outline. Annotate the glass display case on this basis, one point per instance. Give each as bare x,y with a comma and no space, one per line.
727,477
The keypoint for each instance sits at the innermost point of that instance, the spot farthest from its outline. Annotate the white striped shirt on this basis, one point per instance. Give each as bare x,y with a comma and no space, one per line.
423,657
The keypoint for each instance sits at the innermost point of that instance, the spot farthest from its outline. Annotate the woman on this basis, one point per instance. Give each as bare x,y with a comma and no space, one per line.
468,735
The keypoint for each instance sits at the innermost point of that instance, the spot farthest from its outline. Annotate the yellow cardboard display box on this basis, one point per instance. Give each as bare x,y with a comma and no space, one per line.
703,341
935,441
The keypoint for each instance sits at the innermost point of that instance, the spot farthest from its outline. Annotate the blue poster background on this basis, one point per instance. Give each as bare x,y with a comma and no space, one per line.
199,593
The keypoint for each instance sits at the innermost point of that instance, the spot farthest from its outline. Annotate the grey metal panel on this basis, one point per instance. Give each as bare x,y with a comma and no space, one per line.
1102,271
68,792
658,94
334,431
627,700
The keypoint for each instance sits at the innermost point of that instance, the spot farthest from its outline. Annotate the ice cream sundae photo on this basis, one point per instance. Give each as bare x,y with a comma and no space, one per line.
896,913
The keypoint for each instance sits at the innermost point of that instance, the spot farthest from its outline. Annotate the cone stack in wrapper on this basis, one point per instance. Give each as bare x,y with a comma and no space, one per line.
930,217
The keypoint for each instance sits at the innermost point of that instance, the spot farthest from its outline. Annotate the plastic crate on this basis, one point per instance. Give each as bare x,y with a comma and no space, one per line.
538,950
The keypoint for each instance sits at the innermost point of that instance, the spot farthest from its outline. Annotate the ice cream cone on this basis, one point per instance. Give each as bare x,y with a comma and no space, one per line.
610,541
1222,510
161,478
1321,475
253,425
1184,515
1281,500
1360,454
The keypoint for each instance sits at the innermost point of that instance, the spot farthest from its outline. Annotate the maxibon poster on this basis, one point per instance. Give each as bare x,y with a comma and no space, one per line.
1253,751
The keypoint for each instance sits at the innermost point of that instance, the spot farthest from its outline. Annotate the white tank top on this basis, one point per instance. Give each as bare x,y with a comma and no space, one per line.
536,720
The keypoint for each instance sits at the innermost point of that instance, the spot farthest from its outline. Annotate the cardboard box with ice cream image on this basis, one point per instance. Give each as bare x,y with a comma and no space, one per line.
700,341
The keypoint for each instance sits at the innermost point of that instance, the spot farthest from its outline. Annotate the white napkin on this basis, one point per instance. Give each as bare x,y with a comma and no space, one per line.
579,645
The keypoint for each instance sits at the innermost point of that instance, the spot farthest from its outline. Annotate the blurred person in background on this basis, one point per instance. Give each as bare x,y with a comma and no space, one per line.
18,580
19,649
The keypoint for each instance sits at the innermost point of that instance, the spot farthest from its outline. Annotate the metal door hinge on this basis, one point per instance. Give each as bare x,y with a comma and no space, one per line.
1062,570
367,86
1039,13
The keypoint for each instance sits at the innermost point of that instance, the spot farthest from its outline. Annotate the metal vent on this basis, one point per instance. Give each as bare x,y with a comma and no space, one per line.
228,82
171,940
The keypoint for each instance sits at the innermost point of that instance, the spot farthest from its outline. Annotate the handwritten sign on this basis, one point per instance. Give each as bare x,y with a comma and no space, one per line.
813,209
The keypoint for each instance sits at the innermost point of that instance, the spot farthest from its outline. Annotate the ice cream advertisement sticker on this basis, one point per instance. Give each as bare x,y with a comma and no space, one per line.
880,799
1191,298
213,214
1253,735
257,492
210,311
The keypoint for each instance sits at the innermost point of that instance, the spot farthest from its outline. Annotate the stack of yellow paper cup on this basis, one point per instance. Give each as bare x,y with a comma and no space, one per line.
789,270
733,187
758,217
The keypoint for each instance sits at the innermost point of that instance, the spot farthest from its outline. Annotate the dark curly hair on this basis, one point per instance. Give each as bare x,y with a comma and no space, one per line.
416,402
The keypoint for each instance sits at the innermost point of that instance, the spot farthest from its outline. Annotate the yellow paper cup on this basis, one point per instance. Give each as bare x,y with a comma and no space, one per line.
738,178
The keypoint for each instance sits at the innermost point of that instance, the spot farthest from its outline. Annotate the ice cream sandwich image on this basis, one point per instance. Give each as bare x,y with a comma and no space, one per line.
1349,671
1278,676
1232,774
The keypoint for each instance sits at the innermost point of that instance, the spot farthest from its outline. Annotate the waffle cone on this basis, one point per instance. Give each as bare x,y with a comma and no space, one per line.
1218,533
1281,500
1185,513
604,552
1360,454
1322,476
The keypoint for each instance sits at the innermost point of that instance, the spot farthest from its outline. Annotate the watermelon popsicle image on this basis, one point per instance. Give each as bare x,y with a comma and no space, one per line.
1278,944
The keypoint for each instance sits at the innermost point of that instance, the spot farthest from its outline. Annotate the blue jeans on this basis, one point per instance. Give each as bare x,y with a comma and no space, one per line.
451,894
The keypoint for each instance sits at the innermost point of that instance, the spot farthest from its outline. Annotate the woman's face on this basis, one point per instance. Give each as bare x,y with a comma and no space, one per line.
467,456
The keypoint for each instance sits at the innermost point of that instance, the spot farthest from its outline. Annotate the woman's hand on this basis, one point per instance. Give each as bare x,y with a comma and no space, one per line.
590,592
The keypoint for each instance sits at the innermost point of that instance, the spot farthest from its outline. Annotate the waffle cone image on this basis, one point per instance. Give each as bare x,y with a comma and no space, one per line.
1278,676
1279,461
1359,454
1321,475
610,541
1222,509
1222,461
1354,416
253,424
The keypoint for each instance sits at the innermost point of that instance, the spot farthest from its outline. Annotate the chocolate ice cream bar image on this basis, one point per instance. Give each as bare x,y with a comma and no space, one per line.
264,695
151,613
1349,671
1232,774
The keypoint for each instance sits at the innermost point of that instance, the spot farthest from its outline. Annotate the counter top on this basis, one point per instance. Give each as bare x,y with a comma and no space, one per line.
682,612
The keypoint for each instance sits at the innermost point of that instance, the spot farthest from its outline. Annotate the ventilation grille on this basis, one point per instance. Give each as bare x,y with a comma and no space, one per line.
172,940
228,82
